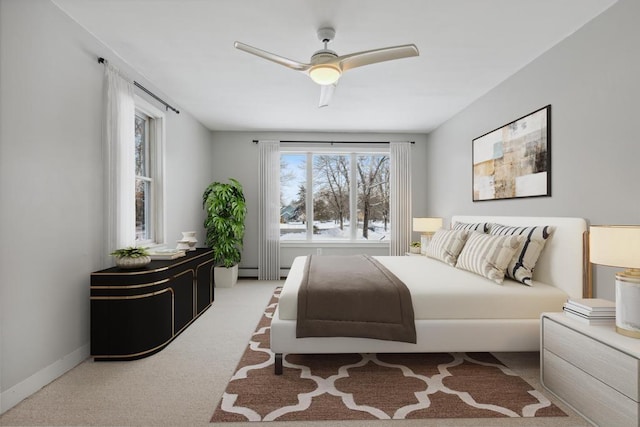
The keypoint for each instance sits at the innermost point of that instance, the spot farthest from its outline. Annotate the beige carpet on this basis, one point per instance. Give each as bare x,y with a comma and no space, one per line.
182,384
373,386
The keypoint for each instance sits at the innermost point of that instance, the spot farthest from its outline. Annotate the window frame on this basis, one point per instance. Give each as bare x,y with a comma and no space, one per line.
353,150
155,171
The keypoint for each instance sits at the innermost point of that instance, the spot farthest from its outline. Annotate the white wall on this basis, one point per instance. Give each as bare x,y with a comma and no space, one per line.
188,171
591,80
51,185
236,156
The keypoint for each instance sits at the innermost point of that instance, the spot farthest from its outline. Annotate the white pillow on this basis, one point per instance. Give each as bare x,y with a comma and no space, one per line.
446,245
488,255
526,256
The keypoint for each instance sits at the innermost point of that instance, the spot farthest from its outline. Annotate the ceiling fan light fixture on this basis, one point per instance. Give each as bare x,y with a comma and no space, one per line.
324,74
326,67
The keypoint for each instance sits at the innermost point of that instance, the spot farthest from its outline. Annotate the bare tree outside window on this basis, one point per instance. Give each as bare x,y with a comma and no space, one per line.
339,181
331,179
373,204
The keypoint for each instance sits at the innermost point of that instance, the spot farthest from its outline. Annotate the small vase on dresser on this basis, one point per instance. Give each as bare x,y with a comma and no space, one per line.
189,237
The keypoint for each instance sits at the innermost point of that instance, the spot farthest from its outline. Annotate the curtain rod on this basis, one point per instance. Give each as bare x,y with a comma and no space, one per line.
255,141
101,60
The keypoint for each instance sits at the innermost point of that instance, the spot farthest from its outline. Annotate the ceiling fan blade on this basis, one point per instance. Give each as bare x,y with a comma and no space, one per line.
326,93
289,63
367,57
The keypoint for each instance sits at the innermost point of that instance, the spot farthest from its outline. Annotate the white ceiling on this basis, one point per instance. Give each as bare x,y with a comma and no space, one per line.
467,47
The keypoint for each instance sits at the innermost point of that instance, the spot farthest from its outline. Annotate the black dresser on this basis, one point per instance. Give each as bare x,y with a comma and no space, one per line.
136,313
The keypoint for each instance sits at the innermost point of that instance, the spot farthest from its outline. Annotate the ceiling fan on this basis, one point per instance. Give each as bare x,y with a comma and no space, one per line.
326,67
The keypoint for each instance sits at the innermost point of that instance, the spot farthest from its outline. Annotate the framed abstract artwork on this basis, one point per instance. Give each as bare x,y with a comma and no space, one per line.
514,160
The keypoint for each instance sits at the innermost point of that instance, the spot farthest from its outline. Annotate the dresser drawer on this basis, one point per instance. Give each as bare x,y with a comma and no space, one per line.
611,366
595,400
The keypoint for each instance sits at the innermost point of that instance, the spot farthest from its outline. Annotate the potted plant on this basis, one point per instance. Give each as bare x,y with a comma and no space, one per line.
131,257
226,211
415,248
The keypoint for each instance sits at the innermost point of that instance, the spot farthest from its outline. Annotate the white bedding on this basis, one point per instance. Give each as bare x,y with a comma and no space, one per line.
480,315
446,292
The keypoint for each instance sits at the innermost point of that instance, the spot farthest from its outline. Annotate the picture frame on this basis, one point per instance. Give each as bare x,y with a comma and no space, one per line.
514,160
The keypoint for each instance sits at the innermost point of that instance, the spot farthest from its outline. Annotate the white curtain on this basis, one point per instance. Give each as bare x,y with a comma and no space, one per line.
400,203
269,211
119,149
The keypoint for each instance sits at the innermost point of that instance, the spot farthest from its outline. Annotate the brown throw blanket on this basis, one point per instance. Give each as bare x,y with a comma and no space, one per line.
353,296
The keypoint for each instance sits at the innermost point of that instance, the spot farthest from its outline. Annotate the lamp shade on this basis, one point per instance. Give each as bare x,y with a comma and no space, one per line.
614,245
324,74
427,225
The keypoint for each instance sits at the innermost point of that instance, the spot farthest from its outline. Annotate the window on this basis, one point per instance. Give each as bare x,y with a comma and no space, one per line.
334,196
144,181
148,174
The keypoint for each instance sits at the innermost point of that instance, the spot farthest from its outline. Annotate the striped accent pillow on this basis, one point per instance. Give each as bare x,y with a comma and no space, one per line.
480,227
524,260
446,245
488,255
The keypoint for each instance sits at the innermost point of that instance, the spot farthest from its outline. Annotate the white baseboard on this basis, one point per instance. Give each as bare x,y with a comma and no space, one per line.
24,389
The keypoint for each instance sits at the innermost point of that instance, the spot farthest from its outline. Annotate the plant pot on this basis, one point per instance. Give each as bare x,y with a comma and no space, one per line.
414,250
224,277
131,263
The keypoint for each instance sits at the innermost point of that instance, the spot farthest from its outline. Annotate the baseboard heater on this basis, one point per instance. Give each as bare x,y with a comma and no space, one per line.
252,272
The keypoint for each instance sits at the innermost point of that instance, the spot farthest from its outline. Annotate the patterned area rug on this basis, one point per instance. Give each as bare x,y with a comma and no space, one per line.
374,386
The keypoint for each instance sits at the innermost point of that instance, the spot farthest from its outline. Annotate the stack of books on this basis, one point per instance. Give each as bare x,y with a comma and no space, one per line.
166,254
594,311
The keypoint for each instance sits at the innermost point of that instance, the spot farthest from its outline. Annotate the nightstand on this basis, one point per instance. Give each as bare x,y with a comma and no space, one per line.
592,368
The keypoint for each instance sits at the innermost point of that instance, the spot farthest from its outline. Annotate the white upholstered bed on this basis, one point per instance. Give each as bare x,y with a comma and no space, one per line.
456,310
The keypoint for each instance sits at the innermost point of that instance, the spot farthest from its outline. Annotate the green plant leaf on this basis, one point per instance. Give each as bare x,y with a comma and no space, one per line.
130,252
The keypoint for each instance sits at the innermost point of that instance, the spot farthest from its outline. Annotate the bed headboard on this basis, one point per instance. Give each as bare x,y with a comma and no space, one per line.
563,260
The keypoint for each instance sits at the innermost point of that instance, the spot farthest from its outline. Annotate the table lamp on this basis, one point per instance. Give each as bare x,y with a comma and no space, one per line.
426,226
619,246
